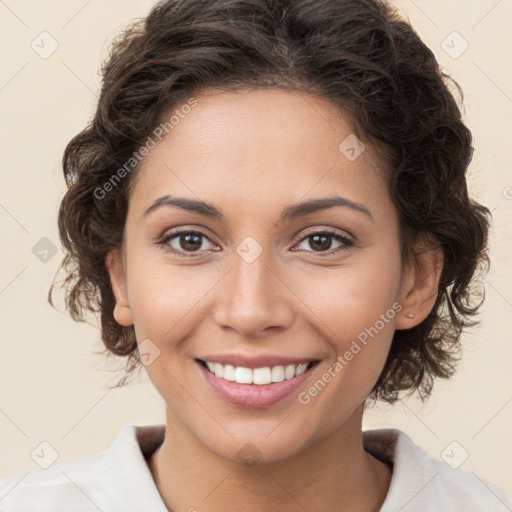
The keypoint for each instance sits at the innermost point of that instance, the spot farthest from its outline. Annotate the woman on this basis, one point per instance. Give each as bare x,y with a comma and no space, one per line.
270,212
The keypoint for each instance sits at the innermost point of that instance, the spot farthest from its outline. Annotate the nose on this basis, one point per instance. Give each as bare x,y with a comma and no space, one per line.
252,298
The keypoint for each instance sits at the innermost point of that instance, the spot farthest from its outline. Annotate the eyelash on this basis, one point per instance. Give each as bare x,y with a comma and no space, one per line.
168,237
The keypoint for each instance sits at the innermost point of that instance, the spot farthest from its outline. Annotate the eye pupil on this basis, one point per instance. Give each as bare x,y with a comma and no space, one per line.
321,246
190,240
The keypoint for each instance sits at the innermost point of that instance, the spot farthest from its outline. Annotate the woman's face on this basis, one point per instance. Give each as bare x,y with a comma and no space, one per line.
251,281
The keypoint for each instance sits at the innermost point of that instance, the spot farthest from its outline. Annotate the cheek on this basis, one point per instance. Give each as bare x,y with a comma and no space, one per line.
162,296
357,302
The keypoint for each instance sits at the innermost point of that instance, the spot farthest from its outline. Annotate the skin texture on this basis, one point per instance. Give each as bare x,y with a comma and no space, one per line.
253,153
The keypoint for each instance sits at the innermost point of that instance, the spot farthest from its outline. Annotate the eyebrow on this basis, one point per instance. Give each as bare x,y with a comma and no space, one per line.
289,213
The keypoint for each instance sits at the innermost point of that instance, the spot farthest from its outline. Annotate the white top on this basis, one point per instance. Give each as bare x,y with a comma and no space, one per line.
118,479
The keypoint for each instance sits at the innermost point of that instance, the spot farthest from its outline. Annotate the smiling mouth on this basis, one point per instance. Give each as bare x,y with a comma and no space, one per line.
257,376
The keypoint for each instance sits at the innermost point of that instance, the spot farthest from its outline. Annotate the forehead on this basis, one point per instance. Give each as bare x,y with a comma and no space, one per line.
256,141
268,118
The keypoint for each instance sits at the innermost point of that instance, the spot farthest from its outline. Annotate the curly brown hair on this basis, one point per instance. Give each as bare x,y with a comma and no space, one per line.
359,54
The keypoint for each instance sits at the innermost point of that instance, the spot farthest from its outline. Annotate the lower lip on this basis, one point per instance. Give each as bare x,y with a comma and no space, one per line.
253,396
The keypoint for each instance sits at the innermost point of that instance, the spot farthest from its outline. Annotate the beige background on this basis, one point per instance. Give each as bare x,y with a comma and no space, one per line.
53,388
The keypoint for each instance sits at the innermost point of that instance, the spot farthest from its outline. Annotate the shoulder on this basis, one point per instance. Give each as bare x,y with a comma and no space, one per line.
423,483
117,478
48,489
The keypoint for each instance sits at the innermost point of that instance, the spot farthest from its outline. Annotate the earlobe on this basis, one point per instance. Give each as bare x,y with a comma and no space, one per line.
420,284
115,265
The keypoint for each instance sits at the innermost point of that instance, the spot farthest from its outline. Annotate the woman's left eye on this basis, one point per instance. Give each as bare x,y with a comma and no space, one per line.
321,242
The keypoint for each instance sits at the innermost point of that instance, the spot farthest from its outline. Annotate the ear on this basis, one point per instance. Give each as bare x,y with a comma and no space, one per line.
420,282
115,264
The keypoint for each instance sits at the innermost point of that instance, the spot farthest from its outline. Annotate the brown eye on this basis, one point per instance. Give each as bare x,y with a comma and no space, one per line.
190,242
183,242
322,241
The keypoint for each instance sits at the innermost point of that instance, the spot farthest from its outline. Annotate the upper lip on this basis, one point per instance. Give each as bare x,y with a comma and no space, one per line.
252,362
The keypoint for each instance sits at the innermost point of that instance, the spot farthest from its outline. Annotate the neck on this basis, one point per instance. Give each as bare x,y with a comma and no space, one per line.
333,474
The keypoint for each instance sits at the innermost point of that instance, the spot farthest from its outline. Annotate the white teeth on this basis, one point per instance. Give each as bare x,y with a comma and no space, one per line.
301,368
219,370
258,376
289,372
278,374
229,372
261,376
243,375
